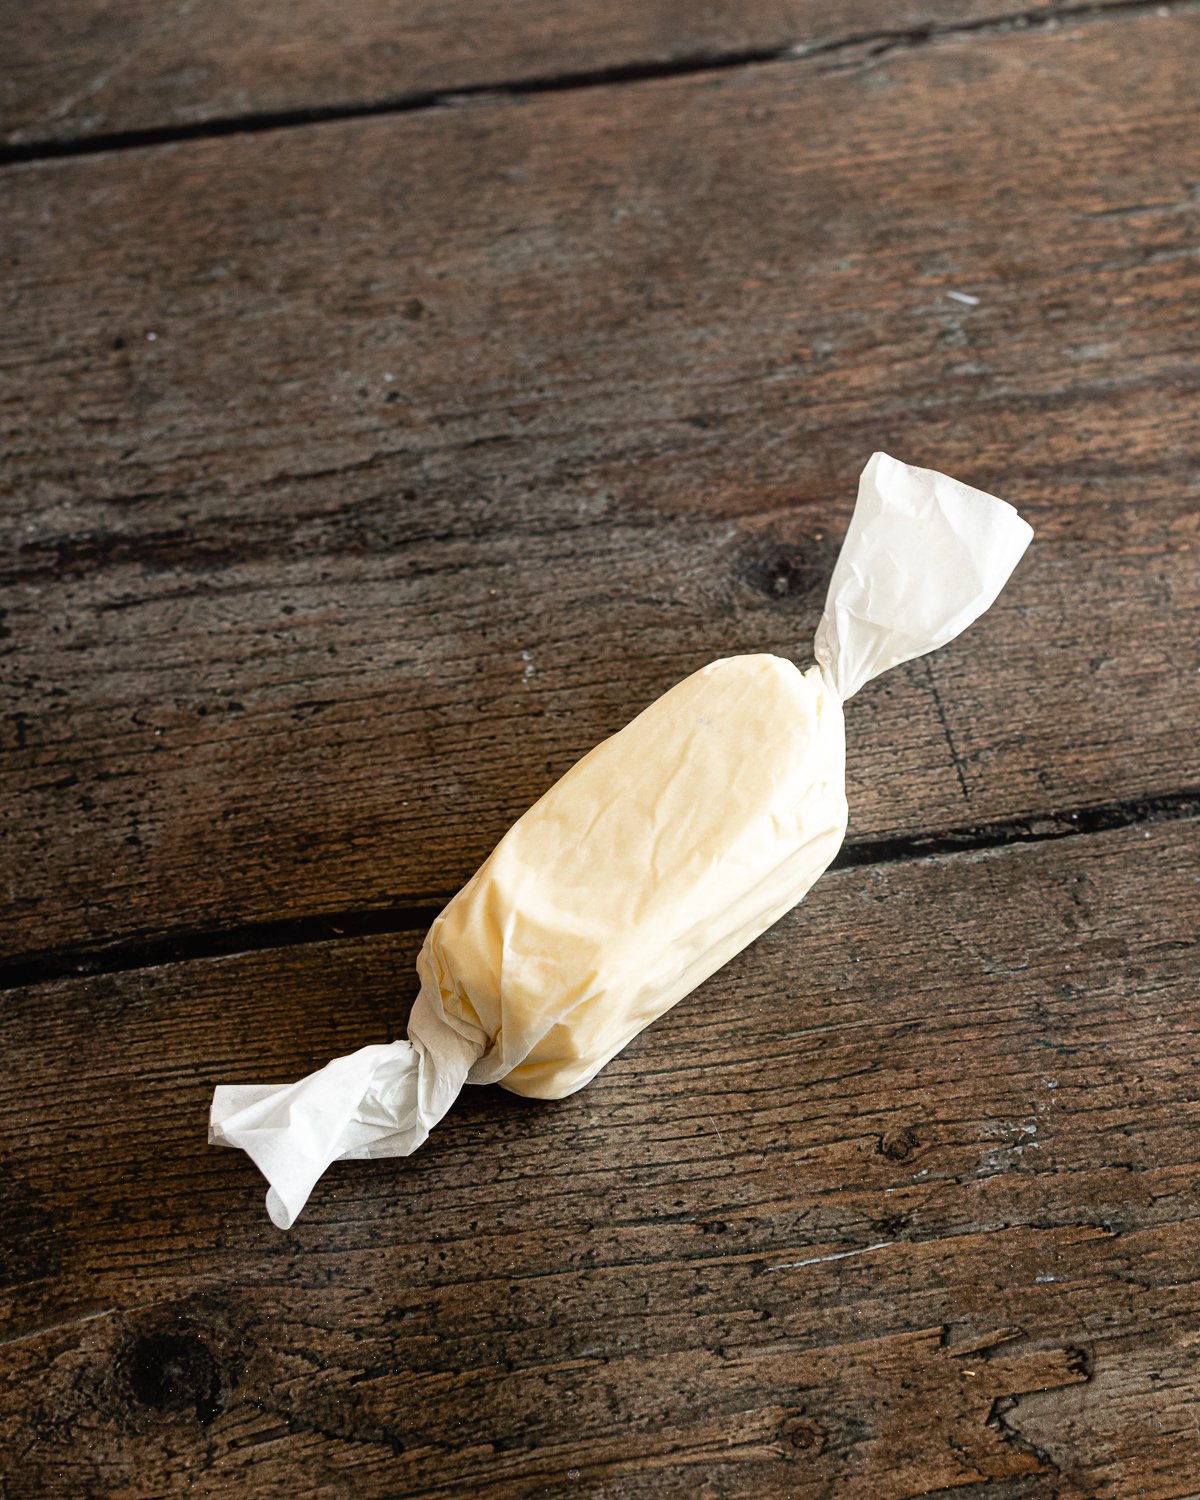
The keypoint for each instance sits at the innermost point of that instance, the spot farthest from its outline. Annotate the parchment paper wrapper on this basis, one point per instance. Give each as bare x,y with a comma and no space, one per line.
657,857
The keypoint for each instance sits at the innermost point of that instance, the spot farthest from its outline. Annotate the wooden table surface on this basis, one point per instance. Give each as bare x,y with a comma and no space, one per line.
394,399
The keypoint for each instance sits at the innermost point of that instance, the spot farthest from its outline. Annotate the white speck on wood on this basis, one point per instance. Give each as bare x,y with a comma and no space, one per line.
824,1260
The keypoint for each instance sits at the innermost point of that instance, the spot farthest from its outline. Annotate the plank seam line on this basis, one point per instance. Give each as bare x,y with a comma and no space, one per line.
416,915
874,45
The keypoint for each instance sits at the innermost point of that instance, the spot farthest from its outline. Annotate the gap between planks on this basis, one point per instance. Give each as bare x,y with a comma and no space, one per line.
863,48
415,914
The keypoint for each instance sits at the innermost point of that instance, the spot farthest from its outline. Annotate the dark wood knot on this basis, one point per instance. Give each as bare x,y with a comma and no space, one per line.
174,1372
800,1435
794,575
897,1145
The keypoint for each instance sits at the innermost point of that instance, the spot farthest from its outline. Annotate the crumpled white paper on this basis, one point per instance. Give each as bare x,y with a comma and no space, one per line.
379,1101
923,557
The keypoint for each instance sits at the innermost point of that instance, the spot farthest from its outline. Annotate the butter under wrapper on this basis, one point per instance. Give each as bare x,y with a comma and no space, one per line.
658,856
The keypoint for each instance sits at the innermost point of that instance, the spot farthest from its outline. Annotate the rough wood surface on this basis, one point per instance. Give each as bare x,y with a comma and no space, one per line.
81,68
362,476
355,478
904,1200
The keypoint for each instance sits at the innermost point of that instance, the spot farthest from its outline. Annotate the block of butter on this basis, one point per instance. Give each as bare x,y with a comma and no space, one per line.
662,853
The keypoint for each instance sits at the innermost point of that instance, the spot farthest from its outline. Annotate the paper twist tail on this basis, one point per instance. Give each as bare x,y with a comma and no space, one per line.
378,1101
924,556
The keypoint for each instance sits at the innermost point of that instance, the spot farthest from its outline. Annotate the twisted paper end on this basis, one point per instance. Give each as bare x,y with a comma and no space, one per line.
378,1101
924,556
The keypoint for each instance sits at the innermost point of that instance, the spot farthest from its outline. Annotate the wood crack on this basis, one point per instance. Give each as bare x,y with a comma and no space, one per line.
415,914
857,48
1037,828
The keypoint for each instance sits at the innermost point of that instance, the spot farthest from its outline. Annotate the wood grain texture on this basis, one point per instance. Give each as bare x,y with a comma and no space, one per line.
354,480
81,68
362,477
904,1199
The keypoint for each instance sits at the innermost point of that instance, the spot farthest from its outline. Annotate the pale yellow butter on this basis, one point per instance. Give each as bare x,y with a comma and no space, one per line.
654,860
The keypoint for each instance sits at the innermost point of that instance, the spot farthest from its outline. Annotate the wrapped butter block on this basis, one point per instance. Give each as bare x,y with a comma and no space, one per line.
655,859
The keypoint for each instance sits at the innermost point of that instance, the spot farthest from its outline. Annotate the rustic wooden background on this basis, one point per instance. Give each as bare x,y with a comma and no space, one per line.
395,398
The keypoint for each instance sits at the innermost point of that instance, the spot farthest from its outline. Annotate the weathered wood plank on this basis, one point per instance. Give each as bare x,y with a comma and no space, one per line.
905,1198
461,436
82,68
